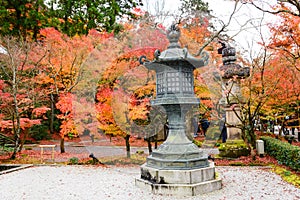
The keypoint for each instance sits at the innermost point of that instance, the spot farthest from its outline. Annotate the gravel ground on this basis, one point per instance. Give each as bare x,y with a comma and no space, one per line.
88,182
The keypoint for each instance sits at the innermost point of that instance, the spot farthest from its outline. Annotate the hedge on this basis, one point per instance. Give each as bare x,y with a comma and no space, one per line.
284,152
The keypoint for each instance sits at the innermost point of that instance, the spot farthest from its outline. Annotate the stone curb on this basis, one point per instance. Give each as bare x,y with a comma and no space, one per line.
15,167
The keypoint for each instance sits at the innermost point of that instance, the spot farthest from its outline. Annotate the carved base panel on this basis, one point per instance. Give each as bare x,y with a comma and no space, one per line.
179,182
177,163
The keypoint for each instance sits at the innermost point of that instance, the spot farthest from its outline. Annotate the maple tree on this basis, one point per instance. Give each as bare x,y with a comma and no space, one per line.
22,99
115,98
272,90
284,43
256,90
268,93
285,97
62,71
286,36
125,87
283,64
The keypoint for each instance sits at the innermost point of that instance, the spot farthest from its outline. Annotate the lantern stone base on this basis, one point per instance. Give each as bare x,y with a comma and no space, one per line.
189,182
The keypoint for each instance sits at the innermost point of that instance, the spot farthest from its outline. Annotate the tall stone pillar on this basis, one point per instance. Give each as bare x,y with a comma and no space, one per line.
232,99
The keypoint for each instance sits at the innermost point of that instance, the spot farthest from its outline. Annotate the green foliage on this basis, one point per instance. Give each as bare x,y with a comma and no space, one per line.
22,18
7,149
140,152
73,161
284,152
80,16
39,132
287,173
194,7
26,18
217,175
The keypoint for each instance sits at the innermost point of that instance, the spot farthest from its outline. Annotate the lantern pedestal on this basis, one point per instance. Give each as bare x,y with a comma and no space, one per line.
178,167
177,152
190,182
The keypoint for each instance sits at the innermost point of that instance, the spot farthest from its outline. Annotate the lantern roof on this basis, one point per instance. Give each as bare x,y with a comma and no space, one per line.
230,68
175,53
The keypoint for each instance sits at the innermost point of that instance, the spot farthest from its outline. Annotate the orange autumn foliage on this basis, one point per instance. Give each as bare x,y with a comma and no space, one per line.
65,105
125,87
284,64
63,69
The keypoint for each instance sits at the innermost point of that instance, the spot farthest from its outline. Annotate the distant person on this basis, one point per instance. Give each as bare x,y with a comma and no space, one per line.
204,125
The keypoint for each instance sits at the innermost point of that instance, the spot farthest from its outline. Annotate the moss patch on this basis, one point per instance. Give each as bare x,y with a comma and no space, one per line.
233,149
198,143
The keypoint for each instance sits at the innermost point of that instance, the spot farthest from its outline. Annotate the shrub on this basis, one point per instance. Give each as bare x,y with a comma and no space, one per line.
39,132
7,149
284,152
73,161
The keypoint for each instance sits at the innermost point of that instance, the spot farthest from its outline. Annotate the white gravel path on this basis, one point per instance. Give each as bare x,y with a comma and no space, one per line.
97,183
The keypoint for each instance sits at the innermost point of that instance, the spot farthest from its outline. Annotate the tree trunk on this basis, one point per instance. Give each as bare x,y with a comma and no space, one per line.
252,136
62,145
127,145
16,115
251,144
155,143
52,114
17,146
149,146
281,130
